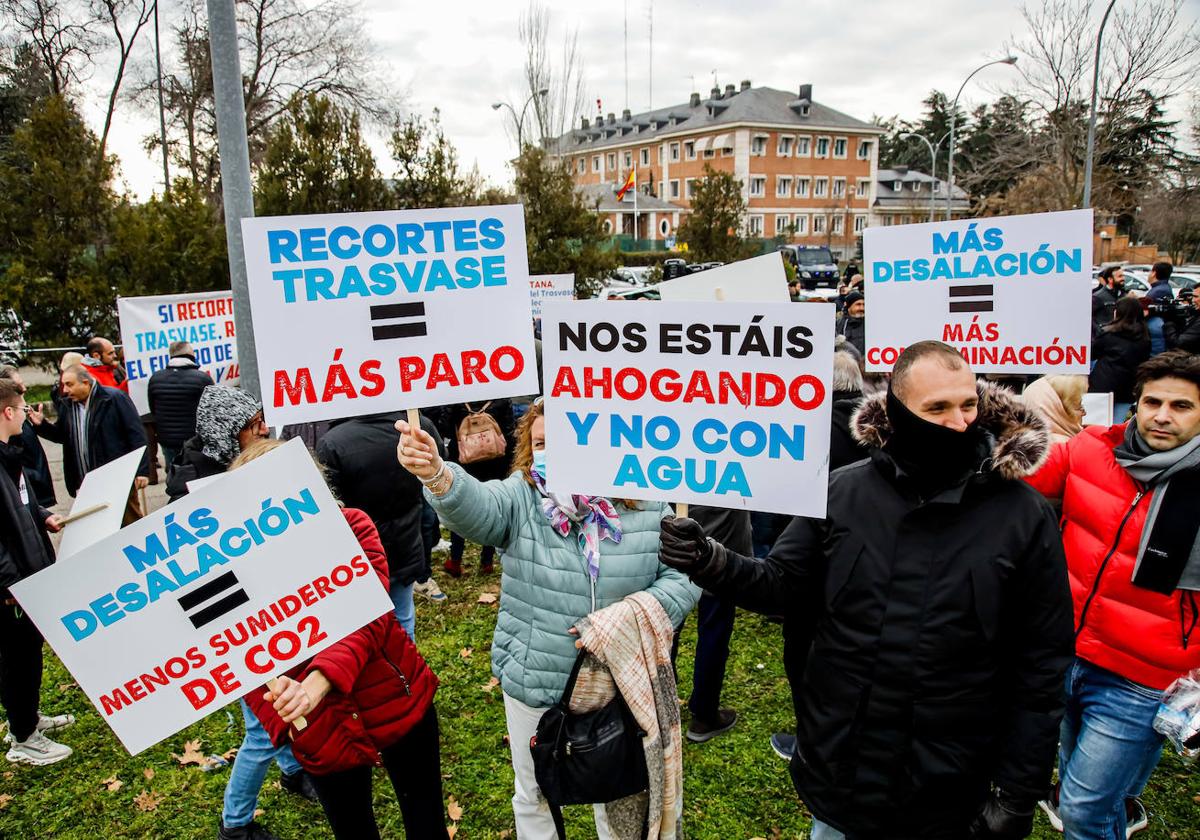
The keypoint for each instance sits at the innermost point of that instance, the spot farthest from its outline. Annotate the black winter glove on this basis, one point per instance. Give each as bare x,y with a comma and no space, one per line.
1005,816
683,545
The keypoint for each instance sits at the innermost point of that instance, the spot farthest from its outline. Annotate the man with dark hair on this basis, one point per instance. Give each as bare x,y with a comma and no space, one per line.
103,366
33,456
1160,286
929,703
1130,533
173,394
1104,299
24,550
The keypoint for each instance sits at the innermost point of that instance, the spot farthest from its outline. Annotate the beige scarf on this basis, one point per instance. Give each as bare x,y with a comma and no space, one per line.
630,645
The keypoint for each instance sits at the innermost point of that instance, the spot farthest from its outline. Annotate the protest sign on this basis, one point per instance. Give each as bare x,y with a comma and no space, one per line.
1098,409
722,404
759,279
202,601
358,313
106,489
543,287
150,324
1012,294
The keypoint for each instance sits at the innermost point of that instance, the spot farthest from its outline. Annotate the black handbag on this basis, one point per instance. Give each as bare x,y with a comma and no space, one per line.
591,757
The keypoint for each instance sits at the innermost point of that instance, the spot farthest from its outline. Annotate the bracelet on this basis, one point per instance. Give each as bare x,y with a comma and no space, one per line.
437,476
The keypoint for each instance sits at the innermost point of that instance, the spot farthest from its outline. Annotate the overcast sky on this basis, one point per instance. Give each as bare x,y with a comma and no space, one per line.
863,57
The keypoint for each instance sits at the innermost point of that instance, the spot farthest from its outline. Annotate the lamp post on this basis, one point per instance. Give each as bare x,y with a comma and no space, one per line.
1091,141
1010,60
520,119
933,150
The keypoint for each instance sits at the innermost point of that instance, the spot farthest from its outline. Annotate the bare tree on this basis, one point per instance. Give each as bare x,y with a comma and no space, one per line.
62,33
554,113
125,20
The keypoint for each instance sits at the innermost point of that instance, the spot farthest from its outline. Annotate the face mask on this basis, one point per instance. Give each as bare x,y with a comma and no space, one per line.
539,462
934,456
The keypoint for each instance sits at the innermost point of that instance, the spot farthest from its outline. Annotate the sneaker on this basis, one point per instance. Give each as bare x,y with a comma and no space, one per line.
430,590
700,731
38,750
1049,807
453,568
300,783
1136,818
250,831
784,745
46,724
442,547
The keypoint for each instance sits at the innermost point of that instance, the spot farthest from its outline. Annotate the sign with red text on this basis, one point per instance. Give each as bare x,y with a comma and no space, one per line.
544,287
208,598
359,313
1011,293
149,325
724,404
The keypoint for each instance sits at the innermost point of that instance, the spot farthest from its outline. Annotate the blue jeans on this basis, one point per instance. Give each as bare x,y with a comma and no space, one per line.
1107,750
250,768
402,599
824,831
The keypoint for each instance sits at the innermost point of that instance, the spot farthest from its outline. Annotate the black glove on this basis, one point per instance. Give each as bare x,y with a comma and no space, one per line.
684,546
1005,816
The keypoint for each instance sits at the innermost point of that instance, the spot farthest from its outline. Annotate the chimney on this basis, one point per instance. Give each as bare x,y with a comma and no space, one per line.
694,101
626,116
585,124
611,118
715,93
729,90
745,84
806,93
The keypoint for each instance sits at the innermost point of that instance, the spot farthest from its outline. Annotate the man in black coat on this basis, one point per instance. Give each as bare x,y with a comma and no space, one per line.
24,550
359,456
173,393
33,456
1104,299
930,701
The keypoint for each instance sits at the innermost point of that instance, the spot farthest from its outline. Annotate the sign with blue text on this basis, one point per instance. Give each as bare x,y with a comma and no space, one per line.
150,325
724,404
544,287
204,600
359,313
1011,293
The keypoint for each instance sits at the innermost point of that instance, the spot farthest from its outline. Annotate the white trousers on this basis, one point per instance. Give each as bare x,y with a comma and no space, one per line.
530,810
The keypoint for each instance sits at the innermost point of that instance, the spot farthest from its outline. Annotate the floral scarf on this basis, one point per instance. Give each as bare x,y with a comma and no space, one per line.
596,517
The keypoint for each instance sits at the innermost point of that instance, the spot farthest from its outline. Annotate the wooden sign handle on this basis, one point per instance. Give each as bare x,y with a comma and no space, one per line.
414,418
300,723
681,510
87,511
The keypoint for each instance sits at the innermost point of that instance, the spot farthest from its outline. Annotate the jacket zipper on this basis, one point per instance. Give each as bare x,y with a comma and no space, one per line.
399,673
1104,564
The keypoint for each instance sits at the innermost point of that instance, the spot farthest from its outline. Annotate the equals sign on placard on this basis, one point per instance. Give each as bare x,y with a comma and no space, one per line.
223,590
985,290
412,326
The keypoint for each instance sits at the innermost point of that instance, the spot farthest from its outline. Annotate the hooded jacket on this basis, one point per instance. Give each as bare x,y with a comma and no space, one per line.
942,633
174,395
104,374
221,413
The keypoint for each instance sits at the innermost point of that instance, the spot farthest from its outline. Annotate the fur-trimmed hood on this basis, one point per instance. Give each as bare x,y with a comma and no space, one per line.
1021,440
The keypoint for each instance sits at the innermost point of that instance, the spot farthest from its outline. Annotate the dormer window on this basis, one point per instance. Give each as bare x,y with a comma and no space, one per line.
898,186
916,186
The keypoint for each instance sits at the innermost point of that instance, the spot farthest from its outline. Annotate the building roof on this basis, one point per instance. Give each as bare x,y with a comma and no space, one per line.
749,105
606,195
886,195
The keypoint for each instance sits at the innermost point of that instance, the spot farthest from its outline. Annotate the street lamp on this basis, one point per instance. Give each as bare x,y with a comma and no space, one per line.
520,120
1091,141
933,150
1010,60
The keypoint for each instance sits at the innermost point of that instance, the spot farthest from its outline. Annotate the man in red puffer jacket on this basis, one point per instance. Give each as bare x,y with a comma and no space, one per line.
1130,537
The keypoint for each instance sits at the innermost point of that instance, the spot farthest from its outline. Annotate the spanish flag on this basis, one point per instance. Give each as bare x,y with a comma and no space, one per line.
629,184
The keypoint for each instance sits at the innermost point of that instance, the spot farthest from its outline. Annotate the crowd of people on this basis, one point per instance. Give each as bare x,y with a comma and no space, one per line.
997,597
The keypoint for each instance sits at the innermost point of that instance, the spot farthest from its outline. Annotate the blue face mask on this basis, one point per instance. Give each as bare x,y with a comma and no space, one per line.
539,462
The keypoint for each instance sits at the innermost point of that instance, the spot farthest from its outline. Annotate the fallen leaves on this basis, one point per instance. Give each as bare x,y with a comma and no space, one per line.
5,798
465,653
486,598
490,684
62,687
147,801
191,755
148,773
112,784
455,812
229,753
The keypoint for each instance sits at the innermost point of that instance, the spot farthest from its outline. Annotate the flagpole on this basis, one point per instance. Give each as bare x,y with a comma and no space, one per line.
635,209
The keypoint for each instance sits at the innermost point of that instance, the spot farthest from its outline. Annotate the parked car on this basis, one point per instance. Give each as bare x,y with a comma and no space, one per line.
815,265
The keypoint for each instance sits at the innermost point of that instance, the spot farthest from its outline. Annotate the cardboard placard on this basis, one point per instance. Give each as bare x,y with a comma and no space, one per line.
543,287
106,487
760,279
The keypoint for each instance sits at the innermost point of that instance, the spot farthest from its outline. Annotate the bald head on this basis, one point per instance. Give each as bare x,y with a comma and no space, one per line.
934,382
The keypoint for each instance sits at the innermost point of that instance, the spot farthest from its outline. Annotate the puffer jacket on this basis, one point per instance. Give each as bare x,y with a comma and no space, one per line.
545,587
381,686
1136,633
173,394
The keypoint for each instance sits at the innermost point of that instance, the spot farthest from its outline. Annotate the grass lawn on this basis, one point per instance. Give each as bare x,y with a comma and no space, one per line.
735,787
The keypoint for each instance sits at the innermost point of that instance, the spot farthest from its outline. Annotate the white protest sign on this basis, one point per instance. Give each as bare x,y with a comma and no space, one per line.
359,313
1012,294
106,487
208,598
543,287
724,404
150,324
760,279
1098,409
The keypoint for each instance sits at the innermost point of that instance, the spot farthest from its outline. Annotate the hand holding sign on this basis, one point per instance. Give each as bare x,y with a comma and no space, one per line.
417,451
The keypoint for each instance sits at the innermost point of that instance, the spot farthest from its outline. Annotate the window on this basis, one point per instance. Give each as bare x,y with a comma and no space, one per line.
818,224
645,157
758,145
608,226
674,149
660,189
689,150
916,186
664,227
688,190
839,225
820,187
581,165
756,225
864,149
839,147
937,187
710,153
758,186
839,187
782,223
898,186
596,163
863,188
785,145
860,224
675,188
628,160
906,220
822,147
801,223
611,162
783,186
802,187
803,145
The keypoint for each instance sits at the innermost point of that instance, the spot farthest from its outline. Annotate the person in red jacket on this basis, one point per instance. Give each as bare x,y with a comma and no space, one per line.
1130,537
368,702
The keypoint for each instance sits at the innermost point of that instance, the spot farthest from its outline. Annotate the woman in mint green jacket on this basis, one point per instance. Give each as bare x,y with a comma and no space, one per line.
563,558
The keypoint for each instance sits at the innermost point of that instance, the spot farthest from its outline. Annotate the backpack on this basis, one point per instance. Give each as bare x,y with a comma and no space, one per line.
479,437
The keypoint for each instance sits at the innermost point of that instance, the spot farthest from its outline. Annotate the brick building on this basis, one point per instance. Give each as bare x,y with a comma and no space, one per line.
808,172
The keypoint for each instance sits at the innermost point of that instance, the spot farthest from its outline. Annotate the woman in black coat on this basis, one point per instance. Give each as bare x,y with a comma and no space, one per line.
1117,351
